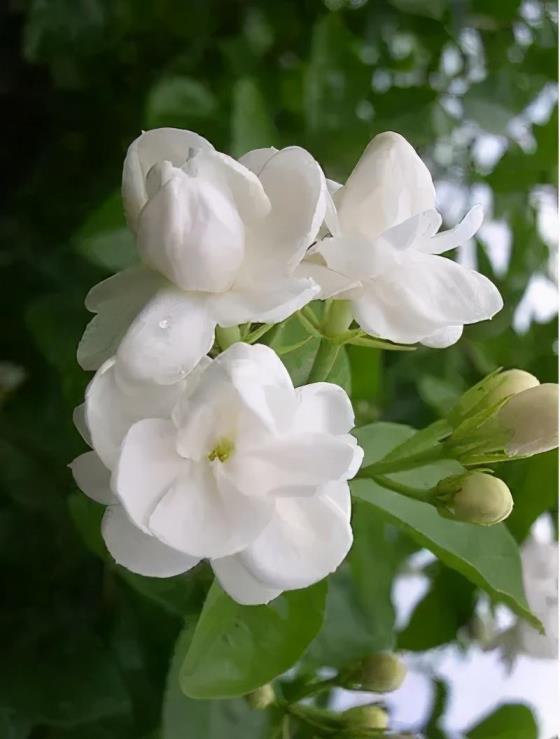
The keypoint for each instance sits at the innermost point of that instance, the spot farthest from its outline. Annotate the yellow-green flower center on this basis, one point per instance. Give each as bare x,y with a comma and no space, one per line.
222,451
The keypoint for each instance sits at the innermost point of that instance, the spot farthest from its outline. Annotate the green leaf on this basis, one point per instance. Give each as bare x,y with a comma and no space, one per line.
512,721
105,239
489,557
13,726
429,8
179,101
359,617
252,126
534,482
61,677
446,607
185,718
236,649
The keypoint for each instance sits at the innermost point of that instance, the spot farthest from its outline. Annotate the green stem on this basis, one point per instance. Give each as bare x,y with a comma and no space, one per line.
259,332
227,336
406,490
324,361
337,319
314,688
405,463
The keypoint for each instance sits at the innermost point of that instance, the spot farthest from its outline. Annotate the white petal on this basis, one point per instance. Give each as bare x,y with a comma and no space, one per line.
92,477
261,381
240,584
295,184
339,494
117,301
139,552
323,406
456,236
444,337
240,181
389,184
161,144
204,515
168,338
302,460
413,232
79,421
357,257
114,403
191,232
263,302
148,465
257,158
427,293
331,283
307,539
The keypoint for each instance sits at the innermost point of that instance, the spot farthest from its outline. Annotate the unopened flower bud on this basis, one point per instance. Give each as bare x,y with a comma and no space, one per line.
475,497
262,697
370,716
531,420
382,672
510,382
485,397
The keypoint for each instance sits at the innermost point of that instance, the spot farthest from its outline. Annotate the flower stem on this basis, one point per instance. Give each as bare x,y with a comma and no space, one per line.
227,336
324,361
406,490
404,463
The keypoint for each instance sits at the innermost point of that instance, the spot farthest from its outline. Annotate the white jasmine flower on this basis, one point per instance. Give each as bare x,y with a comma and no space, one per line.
384,247
232,464
218,246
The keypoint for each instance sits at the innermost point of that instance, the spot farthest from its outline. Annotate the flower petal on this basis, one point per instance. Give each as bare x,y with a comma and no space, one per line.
117,301
240,584
92,477
307,539
331,283
225,173
323,407
456,236
389,184
139,552
263,302
191,232
114,403
354,256
257,158
285,465
168,338
204,515
296,186
148,465
158,145
444,337
427,293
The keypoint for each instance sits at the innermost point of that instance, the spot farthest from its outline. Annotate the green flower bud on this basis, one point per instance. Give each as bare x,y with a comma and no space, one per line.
262,697
382,672
530,420
510,382
474,497
370,716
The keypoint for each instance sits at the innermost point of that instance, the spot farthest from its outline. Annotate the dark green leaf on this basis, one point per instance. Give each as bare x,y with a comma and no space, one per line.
235,648
489,557
513,721
185,718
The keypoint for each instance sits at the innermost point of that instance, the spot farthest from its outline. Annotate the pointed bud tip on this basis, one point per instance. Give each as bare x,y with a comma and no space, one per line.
531,420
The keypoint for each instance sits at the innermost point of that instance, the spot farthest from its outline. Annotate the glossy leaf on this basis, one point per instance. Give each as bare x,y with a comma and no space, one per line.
235,648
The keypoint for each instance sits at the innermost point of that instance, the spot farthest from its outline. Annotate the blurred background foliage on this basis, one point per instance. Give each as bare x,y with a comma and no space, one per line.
86,647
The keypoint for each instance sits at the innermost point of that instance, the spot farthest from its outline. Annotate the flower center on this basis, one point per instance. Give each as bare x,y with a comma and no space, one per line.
222,451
